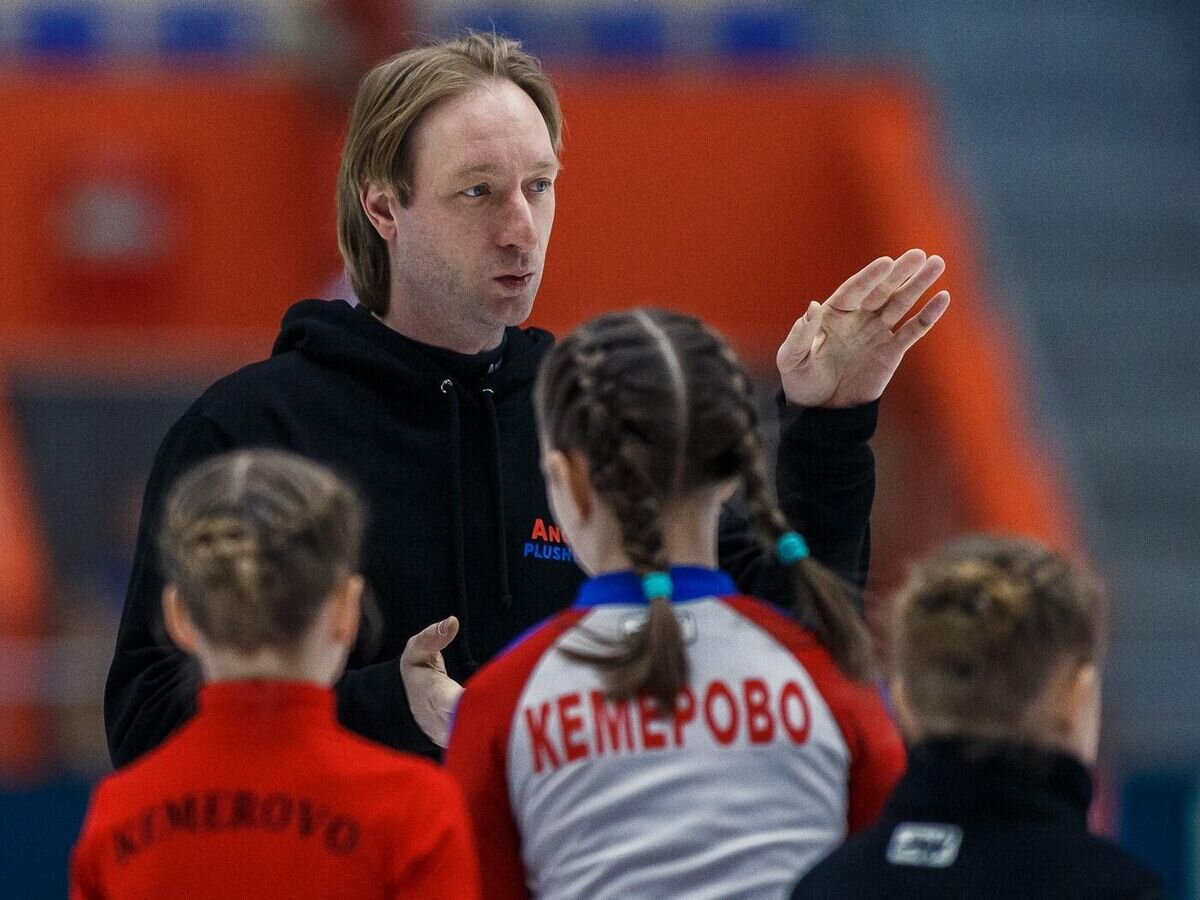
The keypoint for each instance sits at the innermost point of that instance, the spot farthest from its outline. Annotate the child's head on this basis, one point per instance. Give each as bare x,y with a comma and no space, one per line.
999,638
648,424
261,550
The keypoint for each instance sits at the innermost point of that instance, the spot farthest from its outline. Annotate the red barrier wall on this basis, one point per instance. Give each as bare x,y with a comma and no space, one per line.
220,182
24,587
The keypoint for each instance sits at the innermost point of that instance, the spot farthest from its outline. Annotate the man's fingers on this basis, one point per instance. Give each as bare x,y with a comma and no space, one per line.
850,295
434,639
801,339
907,265
918,326
910,292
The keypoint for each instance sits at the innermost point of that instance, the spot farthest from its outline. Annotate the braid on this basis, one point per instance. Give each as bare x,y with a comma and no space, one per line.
983,626
652,659
823,599
599,431
255,541
636,501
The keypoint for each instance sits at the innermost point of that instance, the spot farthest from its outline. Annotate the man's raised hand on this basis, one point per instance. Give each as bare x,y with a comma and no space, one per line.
843,352
432,693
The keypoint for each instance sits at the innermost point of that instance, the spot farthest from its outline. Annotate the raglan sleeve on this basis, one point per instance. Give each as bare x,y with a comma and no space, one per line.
876,755
825,480
477,758
878,759
440,859
151,686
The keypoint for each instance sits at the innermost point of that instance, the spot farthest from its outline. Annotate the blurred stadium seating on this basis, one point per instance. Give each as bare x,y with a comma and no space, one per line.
134,30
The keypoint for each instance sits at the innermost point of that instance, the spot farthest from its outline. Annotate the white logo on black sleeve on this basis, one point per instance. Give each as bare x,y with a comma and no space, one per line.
927,844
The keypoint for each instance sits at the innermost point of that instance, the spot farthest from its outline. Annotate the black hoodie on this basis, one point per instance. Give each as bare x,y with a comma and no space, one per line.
447,459
989,821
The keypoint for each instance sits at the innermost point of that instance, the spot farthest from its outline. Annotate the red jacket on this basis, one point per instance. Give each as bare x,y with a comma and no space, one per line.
264,795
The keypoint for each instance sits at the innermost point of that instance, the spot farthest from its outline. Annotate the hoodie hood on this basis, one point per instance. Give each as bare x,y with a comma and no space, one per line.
348,338
474,473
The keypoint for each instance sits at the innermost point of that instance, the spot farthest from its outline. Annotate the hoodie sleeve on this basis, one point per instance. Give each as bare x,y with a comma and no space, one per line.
151,685
372,702
825,479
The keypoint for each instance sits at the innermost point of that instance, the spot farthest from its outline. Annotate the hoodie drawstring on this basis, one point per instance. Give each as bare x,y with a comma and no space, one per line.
456,500
489,406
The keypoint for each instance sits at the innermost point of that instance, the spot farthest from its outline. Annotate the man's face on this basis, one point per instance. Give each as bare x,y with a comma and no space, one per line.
470,246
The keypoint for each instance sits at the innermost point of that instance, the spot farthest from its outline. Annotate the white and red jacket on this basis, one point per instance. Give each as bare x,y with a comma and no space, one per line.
772,758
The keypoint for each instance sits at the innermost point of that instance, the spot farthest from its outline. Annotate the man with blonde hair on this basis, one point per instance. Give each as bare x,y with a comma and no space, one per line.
421,395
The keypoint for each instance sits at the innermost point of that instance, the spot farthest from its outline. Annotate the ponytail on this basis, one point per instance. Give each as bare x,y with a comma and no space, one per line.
820,598
827,608
652,659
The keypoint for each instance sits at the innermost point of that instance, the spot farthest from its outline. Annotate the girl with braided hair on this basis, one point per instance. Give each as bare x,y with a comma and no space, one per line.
262,794
996,647
665,737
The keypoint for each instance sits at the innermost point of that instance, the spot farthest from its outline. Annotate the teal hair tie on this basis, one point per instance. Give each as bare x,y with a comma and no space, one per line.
791,548
657,584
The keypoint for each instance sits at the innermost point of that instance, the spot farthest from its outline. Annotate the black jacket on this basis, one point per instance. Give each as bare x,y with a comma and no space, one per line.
459,522
981,822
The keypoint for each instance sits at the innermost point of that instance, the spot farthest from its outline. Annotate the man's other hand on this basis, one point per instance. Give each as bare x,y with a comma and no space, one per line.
432,693
843,352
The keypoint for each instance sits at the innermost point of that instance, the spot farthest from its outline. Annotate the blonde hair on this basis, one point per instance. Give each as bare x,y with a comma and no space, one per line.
390,101
983,628
255,541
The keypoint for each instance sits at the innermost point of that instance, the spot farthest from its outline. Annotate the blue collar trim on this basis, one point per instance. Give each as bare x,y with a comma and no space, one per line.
691,583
